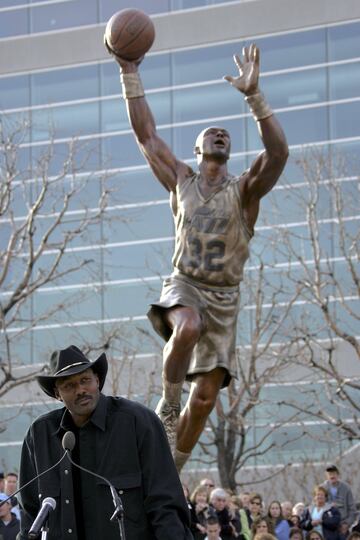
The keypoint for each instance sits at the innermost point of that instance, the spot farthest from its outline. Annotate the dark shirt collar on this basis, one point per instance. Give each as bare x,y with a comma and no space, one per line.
98,418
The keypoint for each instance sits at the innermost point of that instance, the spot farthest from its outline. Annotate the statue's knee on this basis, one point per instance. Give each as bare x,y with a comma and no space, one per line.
189,330
203,405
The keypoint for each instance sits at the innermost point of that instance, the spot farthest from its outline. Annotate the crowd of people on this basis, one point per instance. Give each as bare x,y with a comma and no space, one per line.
218,514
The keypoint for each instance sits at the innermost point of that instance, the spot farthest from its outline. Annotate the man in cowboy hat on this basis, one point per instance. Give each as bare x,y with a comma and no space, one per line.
120,440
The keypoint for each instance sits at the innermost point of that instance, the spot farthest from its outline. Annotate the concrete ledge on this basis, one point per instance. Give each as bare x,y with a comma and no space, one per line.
176,30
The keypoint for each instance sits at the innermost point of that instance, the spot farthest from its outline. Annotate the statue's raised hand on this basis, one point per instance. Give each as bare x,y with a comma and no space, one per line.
248,66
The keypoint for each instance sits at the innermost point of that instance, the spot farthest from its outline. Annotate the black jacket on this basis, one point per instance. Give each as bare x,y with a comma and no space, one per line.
9,531
124,442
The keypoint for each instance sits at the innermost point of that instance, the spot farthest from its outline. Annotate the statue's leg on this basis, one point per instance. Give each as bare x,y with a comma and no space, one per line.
204,390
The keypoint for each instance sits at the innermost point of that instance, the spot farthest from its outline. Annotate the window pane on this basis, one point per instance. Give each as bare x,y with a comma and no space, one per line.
72,121
290,50
109,7
122,150
344,41
136,186
64,85
14,92
63,14
291,89
205,64
155,73
307,125
114,116
344,81
192,104
14,23
342,120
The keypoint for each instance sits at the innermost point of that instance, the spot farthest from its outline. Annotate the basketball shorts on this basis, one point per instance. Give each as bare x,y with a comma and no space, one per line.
218,310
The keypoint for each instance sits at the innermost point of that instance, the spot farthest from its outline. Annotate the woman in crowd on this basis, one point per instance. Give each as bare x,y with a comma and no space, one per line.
255,508
296,534
261,526
280,525
199,511
321,517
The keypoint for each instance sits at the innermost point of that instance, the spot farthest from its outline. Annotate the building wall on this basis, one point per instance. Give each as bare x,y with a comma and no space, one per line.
61,77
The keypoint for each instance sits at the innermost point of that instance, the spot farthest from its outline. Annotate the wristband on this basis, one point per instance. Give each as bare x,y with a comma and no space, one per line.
258,106
131,85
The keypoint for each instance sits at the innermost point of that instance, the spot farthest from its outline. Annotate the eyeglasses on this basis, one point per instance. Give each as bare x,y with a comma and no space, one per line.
258,503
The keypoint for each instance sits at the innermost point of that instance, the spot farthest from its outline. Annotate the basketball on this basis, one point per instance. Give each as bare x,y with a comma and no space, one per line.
130,33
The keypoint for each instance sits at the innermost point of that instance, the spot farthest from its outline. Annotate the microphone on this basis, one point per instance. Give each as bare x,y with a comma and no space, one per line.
48,505
68,443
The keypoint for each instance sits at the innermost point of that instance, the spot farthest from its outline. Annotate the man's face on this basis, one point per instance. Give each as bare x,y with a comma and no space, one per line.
10,484
214,142
297,536
286,508
332,476
213,531
80,394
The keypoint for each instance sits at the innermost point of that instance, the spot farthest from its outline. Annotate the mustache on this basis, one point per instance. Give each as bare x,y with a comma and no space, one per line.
84,396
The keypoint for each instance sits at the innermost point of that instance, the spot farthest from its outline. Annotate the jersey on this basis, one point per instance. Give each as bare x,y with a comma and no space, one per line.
212,238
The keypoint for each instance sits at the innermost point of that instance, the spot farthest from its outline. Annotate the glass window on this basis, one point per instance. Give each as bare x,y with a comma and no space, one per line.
114,116
64,85
136,186
71,121
109,7
344,81
138,261
63,14
130,301
14,92
291,89
137,224
342,120
122,150
86,155
56,307
155,73
192,104
344,41
14,23
205,64
291,50
300,127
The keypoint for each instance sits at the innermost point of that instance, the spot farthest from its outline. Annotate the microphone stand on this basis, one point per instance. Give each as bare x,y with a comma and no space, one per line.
119,509
45,530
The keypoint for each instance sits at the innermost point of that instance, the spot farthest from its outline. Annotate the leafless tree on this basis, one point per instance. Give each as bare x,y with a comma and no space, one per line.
42,214
326,272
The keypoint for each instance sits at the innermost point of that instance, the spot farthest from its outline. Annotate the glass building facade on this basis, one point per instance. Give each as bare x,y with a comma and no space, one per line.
311,77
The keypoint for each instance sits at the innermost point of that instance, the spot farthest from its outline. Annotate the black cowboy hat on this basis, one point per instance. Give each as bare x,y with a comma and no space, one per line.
68,362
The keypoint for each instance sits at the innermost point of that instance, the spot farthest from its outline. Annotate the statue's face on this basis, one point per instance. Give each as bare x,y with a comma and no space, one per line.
213,142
